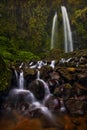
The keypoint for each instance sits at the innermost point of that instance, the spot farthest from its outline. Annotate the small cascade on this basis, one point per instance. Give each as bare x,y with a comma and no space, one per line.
16,75
38,75
54,31
39,64
26,94
52,64
21,80
67,31
47,91
21,65
30,63
33,66
44,110
62,108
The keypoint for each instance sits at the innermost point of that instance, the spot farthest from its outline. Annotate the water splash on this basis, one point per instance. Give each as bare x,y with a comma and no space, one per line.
47,91
52,64
67,31
16,75
38,75
44,110
26,94
54,28
21,65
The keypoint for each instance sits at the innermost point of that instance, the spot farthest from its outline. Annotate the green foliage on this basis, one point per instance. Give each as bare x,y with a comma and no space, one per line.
26,56
81,13
5,80
7,55
5,75
80,24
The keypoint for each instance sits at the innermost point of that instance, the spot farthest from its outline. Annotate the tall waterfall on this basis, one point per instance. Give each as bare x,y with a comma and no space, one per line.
67,31
54,30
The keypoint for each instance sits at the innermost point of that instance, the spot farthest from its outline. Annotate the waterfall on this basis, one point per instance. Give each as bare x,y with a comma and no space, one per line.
47,91
67,31
54,30
52,64
21,80
42,108
26,94
16,75
38,74
21,65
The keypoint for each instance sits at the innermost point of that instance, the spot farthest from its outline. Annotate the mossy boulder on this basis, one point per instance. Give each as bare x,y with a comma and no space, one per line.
29,71
65,74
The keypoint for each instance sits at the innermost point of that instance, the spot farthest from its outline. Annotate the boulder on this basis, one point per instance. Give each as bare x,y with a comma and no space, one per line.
75,106
37,88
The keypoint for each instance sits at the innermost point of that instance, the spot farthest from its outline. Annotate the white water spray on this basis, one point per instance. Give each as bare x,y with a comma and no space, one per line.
54,28
52,64
67,31
21,80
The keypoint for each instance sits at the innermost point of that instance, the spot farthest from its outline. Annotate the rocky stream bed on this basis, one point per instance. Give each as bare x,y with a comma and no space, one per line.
64,107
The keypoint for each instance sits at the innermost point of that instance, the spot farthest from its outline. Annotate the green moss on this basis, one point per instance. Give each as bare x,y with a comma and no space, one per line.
5,75
26,56
5,80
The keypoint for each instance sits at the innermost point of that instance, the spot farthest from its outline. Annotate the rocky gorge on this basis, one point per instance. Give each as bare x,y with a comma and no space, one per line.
53,90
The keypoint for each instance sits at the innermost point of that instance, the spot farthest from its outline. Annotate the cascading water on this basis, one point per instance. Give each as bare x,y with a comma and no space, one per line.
54,30
52,64
42,108
47,91
26,94
21,80
21,65
16,75
67,31
21,96
38,74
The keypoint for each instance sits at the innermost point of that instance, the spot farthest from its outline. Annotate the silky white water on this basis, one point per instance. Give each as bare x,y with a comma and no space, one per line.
68,42
54,30
21,80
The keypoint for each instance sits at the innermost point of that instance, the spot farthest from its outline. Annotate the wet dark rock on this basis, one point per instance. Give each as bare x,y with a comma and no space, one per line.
44,72
66,91
75,106
83,81
54,75
28,79
63,91
29,71
76,122
80,89
37,88
17,98
66,76
52,103
53,84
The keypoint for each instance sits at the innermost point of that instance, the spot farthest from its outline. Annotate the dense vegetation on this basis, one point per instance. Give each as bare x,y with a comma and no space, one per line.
26,25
